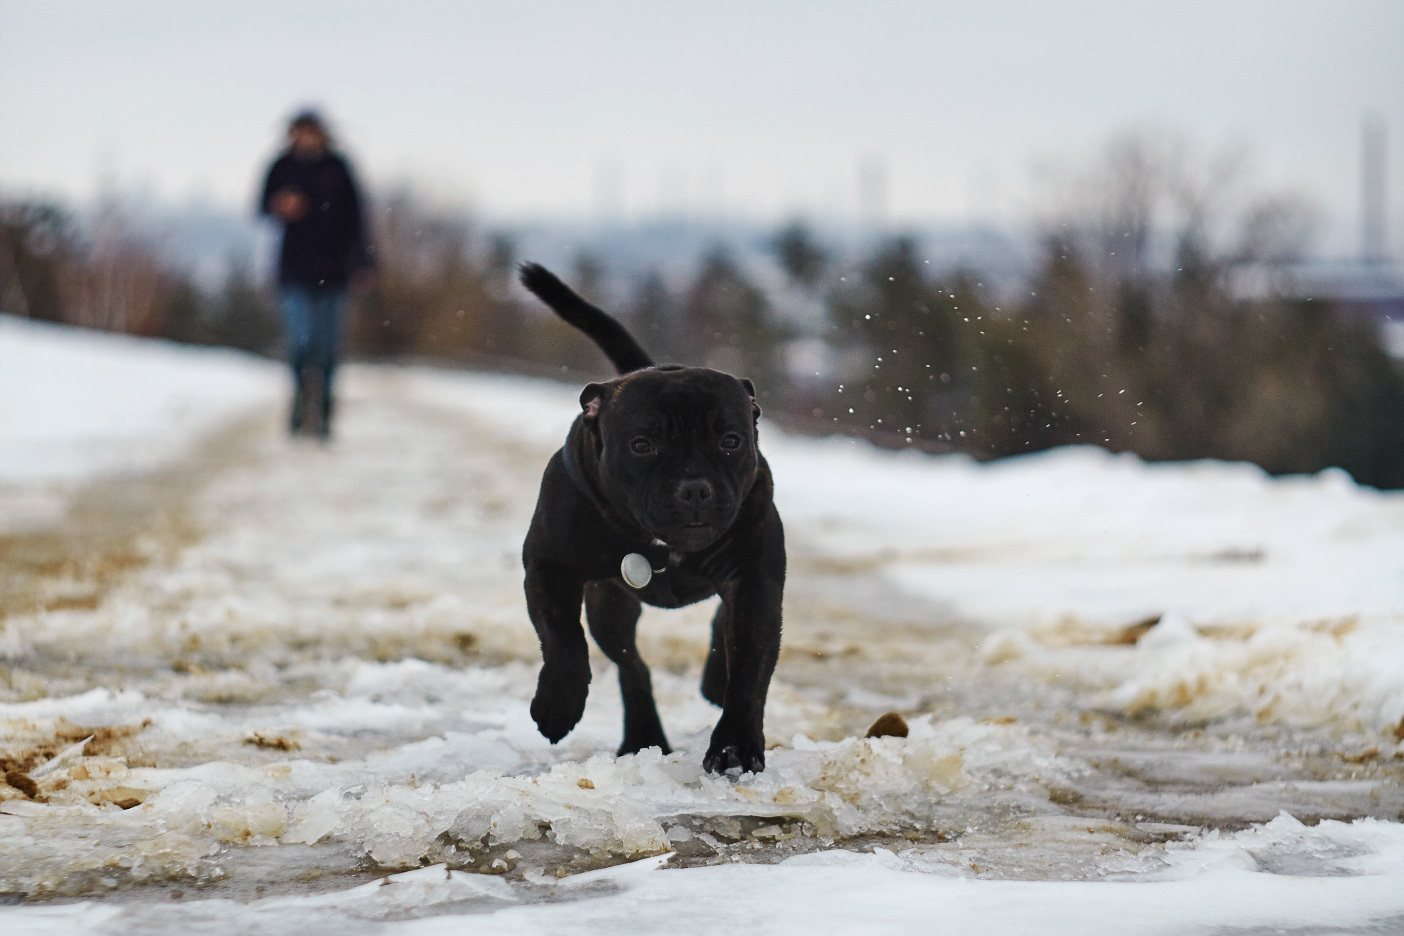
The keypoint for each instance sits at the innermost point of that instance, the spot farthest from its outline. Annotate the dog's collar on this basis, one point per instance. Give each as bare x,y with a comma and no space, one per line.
572,468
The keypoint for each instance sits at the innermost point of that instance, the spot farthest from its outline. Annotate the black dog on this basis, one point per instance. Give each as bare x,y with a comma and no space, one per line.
659,495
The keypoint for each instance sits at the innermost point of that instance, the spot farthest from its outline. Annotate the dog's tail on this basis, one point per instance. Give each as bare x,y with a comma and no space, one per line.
602,328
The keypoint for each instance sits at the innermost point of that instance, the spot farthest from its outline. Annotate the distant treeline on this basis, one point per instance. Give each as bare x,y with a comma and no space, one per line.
110,277
1106,345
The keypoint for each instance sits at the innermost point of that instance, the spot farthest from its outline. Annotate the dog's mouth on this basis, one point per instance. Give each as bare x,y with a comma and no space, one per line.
693,536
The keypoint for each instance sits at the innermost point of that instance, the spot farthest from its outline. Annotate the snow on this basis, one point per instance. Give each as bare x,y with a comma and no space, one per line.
1335,877
1277,598
75,404
313,681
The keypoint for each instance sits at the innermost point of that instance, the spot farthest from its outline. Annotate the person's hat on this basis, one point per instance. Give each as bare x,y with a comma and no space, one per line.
308,117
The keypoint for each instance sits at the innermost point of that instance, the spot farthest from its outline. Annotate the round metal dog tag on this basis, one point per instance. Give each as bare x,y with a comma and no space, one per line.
636,569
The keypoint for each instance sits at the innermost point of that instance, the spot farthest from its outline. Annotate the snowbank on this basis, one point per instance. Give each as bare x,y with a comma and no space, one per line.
75,404
1279,599
1335,877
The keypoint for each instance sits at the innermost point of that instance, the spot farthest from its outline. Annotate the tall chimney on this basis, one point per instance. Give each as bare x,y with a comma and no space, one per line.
1373,248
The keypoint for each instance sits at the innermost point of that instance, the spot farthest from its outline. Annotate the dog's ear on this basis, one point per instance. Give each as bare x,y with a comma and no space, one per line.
590,400
751,392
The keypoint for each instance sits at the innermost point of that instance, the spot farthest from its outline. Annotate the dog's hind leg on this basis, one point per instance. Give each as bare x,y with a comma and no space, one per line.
613,615
714,672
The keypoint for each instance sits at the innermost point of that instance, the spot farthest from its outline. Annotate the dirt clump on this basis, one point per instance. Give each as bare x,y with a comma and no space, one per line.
890,725
272,742
22,783
1132,633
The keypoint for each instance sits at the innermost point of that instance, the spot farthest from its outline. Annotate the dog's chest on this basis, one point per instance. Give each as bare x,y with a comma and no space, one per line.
674,588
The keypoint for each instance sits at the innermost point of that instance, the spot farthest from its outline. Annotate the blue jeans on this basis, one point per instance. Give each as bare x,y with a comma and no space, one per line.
312,325
312,317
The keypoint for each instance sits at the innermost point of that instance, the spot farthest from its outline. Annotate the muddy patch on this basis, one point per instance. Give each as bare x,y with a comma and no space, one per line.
24,751
111,528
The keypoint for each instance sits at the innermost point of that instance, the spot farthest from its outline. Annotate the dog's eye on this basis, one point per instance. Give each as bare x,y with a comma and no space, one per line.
731,441
641,446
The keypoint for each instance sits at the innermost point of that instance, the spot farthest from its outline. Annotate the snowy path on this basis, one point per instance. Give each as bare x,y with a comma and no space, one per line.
306,668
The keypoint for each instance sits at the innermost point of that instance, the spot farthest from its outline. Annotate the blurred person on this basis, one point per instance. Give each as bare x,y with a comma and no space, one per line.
312,192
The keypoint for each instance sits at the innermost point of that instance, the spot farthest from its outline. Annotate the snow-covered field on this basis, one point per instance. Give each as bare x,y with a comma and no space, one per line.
268,686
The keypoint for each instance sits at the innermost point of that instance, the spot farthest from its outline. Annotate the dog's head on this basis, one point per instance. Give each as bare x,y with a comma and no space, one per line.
676,449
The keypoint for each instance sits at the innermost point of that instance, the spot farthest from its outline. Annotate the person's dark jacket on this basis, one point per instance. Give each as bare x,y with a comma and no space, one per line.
327,244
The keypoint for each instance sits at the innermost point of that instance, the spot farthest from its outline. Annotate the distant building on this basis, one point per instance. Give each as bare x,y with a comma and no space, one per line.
1371,289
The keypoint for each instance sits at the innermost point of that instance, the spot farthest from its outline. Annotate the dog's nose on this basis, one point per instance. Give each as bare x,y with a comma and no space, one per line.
694,491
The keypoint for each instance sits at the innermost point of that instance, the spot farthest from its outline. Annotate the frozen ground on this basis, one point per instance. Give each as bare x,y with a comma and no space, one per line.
305,673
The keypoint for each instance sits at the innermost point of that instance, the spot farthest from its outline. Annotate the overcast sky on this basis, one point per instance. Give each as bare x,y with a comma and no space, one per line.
535,108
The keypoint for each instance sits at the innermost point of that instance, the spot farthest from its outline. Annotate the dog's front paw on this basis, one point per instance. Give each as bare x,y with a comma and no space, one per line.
560,700
732,756
730,751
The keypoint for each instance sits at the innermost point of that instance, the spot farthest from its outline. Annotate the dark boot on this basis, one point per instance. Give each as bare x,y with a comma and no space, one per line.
324,424
299,403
